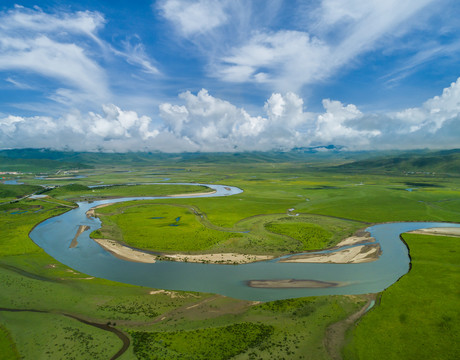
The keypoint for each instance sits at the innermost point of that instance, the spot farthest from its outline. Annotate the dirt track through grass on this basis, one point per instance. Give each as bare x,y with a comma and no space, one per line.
122,336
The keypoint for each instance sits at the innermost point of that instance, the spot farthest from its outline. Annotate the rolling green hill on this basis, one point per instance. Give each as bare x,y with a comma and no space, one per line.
35,160
446,162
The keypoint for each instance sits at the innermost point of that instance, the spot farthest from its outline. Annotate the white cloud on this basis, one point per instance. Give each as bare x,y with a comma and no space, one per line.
112,130
339,33
135,55
202,122
332,125
67,62
287,59
36,42
18,84
65,48
432,115
193,17
23,20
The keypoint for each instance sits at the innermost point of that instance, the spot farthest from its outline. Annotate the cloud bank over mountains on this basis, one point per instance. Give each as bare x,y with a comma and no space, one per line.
202,122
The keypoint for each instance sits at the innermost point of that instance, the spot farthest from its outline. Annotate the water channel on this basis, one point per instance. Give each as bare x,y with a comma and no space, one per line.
55,234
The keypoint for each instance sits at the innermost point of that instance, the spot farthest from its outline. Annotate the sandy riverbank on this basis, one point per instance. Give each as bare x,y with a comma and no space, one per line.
91,212
354,255
194,194
126,253
221,258
453,231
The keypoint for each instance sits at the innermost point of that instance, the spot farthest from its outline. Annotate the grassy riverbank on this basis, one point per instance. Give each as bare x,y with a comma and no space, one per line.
418,317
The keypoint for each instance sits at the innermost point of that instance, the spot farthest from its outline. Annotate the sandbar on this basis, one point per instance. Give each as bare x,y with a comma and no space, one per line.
194,194
355,240
443,231
353,255
80,230
291,283
124,252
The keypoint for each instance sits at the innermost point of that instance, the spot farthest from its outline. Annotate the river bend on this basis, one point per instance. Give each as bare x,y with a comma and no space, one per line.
55,234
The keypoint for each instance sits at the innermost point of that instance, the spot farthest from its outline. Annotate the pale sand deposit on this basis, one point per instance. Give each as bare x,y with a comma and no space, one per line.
91,212
125,253
354,255
453,231
130,254
221,258
194,194
355,240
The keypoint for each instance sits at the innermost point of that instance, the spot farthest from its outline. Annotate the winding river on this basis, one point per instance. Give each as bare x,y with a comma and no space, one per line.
55,234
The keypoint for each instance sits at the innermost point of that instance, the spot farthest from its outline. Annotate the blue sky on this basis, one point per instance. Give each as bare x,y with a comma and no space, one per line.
229,75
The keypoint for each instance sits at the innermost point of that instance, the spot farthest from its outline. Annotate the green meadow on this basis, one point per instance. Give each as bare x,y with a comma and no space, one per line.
165,228
159,228
418,317
288,205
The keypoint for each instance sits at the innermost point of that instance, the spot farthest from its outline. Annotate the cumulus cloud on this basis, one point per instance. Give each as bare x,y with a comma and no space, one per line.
434,112
331,126
112,130
435,124
202,122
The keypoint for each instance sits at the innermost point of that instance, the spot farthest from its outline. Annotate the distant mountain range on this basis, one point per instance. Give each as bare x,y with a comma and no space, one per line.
332,157
445,162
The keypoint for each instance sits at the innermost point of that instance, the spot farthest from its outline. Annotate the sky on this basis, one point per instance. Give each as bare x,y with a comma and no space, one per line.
229,75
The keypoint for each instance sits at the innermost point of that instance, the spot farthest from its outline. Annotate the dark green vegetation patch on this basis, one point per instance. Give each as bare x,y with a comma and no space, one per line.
312,236
212,343
10,192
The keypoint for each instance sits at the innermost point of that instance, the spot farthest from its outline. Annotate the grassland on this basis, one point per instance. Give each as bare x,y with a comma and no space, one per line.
10,193
34,332
168,228
159,228
17,219
331,204
7,345
418,317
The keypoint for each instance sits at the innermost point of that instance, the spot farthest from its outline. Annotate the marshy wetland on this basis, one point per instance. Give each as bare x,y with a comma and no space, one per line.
285,208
